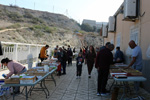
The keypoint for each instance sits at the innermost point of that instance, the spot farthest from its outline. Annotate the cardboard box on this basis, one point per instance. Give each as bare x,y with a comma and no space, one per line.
27,79
39,73
12,81
36,74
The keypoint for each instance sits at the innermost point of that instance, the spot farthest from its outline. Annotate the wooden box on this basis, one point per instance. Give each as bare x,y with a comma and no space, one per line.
39,73
12,81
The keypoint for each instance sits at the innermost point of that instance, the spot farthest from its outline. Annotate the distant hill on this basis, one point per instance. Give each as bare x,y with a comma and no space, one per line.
32,26
16,14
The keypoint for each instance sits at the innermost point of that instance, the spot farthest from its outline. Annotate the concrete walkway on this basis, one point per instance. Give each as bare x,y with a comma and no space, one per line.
70,88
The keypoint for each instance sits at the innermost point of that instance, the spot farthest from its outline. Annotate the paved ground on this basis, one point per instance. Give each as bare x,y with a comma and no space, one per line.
70,88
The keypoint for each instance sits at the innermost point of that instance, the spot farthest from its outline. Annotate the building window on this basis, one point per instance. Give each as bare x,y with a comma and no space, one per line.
134,32
118,40
134,35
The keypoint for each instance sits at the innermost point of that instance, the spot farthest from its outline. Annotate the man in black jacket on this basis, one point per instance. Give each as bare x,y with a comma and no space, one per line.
63,59
103,61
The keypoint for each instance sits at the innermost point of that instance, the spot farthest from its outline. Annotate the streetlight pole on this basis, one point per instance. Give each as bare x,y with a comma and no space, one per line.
15,2
34,5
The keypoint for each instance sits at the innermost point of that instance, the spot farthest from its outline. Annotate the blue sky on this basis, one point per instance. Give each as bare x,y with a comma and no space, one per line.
98,10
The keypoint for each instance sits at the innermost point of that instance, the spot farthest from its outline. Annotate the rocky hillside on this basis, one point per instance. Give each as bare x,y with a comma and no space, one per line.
94,40
30,26
22,15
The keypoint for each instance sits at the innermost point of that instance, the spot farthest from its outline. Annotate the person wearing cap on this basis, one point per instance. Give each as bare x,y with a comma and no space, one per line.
43,53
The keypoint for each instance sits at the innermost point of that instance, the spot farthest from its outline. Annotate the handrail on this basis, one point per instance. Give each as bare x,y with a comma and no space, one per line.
20,43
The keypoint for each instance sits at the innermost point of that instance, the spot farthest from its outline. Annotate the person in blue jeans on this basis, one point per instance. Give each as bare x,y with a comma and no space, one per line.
79,60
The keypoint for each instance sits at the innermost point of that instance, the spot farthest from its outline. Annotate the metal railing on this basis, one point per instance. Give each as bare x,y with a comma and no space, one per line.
21,52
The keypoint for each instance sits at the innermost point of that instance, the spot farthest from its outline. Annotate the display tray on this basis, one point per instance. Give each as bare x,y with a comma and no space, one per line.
130,72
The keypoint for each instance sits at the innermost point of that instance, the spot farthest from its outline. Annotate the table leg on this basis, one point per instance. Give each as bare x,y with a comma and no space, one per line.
26,93
30,90
13,93
123,93
53,79
45,86
127,87
43,89
22,89
111,85
32,87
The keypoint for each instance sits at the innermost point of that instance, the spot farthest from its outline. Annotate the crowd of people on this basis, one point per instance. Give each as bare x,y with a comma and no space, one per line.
101,57
63,55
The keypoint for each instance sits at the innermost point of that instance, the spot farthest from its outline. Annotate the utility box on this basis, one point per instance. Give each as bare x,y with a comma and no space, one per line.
111,25
105,31
130,9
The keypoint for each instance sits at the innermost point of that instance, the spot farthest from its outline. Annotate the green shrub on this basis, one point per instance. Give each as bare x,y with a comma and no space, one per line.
15,16
17,25
86,27
37,26
38,33
1,28
28,15
83,32
43,28
47,29
36,20
31,28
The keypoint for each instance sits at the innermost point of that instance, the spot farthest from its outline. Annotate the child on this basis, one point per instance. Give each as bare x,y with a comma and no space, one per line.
79,60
